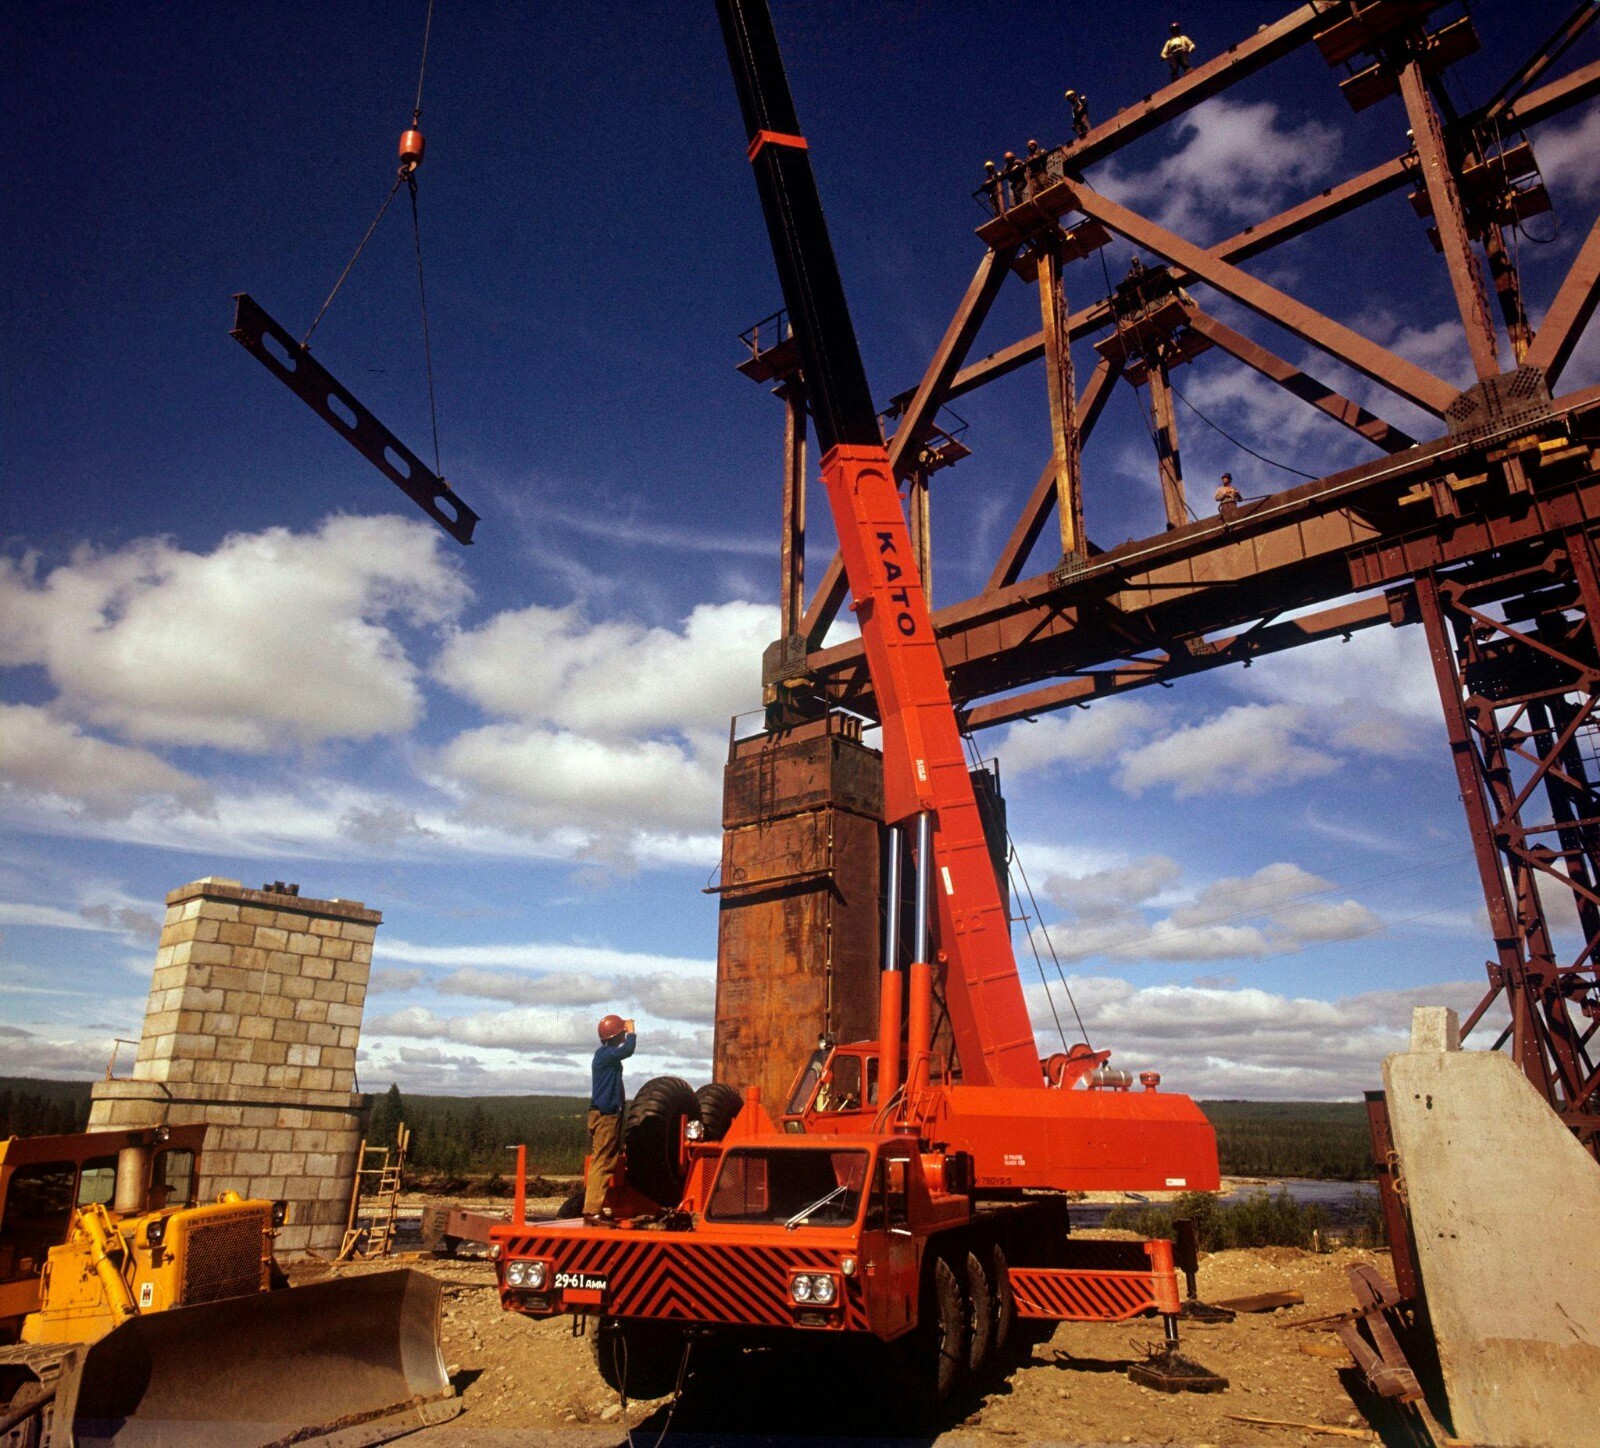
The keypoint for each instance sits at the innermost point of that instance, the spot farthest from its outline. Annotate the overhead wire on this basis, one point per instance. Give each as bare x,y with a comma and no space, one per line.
407,177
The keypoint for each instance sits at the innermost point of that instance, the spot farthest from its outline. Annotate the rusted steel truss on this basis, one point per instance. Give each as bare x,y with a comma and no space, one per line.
1483,532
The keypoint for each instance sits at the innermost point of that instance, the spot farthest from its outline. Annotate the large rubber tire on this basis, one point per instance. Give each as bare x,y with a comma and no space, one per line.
979,1299
651,1136
940,1341
719,1104
1005,1302
640,1359
572,1203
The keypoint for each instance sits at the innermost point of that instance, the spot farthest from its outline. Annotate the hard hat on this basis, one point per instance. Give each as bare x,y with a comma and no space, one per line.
1176,27
611,1026
1070,93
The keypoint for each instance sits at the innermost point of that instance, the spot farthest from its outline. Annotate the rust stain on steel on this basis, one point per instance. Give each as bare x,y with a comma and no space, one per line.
797,937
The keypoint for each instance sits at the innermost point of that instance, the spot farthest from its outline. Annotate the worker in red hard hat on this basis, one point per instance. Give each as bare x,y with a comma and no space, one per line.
617,1040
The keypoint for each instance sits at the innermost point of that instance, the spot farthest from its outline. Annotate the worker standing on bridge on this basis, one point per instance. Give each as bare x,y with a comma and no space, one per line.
1177,50
1227,496
617,1040
1080,113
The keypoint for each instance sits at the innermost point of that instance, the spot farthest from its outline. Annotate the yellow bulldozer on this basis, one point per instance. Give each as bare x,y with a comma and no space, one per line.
134,1314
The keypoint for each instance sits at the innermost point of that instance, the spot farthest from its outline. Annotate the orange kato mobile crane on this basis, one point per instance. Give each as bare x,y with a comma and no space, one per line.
909,1197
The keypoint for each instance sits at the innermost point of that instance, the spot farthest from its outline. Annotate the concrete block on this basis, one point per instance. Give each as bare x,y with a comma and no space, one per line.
288,1163
321,1165
329,992
344,1015
350,1036
275,1139
254,1026
351,972
336,949
204,931
203,997
191,1045
235,932
219,1023
203,953
250,958
311,1011
318,1034
354,930
218,910
268,1053
211,1071
227,977
160,1023
293,1032
233,1048
325,927
277,1007
306,1055
269,937
319,1079
362,954
355,994
256,915
1435,1028
339,1058
315,968
297,986
283,962
1518,1330
303,942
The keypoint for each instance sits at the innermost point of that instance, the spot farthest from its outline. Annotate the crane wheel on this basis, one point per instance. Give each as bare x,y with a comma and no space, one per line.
640,1359
651,1137
979,1301
940,1341
719,1104
1004,1300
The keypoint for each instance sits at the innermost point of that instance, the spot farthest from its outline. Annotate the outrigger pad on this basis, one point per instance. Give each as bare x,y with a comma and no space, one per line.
1171,1372
1196,1311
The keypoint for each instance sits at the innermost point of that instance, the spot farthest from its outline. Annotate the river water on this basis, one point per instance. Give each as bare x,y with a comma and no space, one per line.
1340,1200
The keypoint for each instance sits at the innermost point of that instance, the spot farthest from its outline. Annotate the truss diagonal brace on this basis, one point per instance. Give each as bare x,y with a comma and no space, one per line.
325,395
1416,384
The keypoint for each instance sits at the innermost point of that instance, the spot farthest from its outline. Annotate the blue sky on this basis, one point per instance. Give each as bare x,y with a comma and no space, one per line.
229,647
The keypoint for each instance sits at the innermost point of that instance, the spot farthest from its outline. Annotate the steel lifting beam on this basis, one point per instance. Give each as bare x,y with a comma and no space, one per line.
271,345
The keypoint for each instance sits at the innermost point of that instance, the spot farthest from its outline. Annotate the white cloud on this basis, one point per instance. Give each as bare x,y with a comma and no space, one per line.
665,994
1073,736
531,1028
525,777
1213,1041
271,637
1569,157
613,680
1242,750
54,764
544,957
1238,164
1275,911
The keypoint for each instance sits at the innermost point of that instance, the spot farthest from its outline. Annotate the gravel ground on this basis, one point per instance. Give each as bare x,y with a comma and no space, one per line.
531,1382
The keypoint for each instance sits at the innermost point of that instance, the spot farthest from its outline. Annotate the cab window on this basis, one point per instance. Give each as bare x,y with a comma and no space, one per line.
888,1207
841,1090
97,1182
38,1212
173,1179
807,1083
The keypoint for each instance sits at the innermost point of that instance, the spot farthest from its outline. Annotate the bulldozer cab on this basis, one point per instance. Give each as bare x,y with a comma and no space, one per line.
44,1180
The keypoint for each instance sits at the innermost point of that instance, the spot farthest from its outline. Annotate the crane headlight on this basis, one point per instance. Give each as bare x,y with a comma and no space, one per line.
694,1130
800,1287
516,1273
536,1275
823,1290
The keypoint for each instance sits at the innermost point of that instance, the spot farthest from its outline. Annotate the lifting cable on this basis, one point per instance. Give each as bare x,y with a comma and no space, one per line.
412,146
1014,866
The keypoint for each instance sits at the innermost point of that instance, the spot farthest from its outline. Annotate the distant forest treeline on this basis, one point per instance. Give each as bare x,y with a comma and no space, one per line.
461,1135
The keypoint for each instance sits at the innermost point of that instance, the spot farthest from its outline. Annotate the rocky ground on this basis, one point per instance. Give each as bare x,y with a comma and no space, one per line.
525,1381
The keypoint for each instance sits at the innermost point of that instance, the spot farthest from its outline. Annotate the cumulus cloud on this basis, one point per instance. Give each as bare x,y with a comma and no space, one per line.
1074,736
663,993
1569,157
271,636
613,680
1114,913
387,980
609,727
529,1029
52,763
1238,163
1243,750
1213,1041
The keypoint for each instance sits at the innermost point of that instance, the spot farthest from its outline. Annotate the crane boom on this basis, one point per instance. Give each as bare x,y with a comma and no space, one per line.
924,763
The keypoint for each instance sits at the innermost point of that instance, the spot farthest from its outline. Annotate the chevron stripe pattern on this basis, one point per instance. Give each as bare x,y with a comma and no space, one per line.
673,1278
1075,1296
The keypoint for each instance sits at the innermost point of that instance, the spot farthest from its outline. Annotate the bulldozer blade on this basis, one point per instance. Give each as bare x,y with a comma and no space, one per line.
340,1363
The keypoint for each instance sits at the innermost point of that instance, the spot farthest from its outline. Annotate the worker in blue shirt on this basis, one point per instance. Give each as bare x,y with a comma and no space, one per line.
617,1040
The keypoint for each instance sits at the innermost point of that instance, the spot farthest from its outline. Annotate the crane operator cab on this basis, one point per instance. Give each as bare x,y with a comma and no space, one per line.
836,1089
